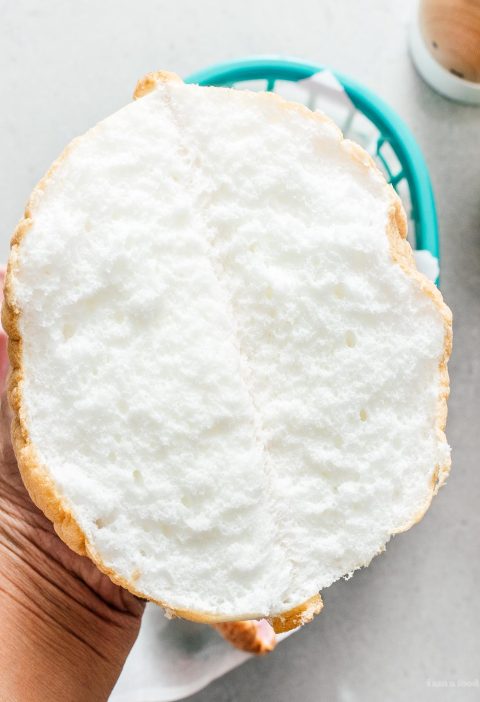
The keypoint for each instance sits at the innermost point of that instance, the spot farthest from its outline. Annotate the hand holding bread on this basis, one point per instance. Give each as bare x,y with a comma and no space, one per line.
284,408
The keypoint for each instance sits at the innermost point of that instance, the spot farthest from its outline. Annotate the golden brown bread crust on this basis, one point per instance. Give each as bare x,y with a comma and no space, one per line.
250,636
146,84
36,477
297,616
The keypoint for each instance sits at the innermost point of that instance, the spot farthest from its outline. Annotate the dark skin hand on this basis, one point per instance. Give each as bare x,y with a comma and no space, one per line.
66,629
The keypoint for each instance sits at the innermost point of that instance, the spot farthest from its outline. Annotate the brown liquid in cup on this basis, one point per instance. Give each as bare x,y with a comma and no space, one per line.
451,31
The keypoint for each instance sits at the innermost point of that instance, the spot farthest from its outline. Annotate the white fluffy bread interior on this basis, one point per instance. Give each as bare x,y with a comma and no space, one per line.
232,385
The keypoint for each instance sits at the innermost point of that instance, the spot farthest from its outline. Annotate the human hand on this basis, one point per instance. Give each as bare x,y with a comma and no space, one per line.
66,628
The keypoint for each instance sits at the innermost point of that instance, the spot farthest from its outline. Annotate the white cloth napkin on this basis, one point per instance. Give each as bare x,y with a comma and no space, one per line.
172,659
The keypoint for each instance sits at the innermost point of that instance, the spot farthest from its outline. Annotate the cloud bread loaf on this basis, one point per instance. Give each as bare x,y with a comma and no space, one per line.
228,378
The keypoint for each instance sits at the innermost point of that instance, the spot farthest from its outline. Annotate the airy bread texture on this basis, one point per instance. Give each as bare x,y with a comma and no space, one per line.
229,380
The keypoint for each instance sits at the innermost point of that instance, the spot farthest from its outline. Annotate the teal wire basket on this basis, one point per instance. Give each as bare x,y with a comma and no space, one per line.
395,149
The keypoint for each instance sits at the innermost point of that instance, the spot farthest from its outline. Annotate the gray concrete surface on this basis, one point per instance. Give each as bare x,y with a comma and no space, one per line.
408,627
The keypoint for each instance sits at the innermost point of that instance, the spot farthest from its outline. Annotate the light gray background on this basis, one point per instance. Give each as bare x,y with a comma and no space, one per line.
412,619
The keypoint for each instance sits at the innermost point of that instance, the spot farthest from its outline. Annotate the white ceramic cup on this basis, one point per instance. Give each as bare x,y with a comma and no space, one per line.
445,47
